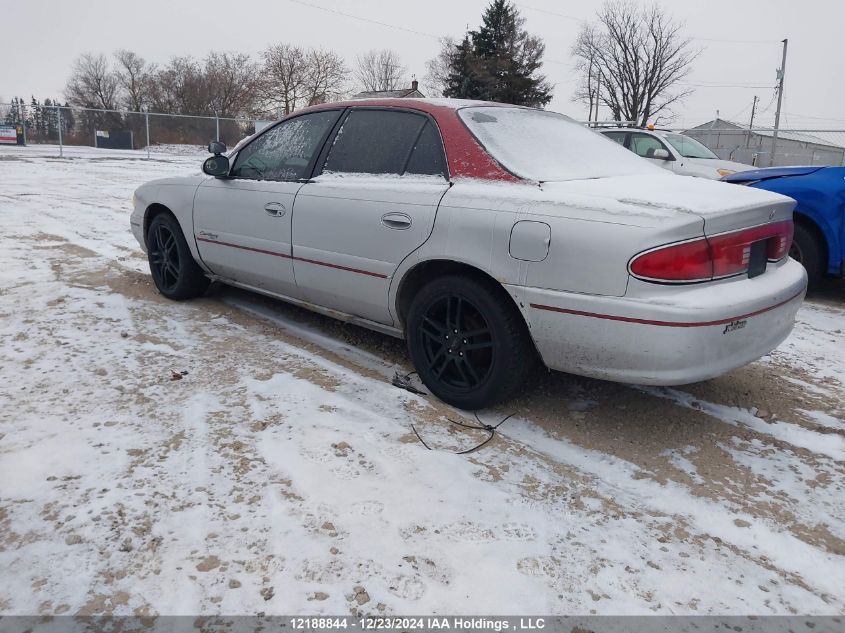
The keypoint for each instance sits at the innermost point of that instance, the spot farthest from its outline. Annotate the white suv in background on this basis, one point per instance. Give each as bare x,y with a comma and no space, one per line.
675,152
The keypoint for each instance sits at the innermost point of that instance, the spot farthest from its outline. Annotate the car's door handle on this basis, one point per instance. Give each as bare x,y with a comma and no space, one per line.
396,221
276,209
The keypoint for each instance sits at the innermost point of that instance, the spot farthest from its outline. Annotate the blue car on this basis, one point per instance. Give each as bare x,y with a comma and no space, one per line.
819,242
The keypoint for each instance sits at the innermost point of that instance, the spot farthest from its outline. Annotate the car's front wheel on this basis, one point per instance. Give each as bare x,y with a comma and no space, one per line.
175,273
468,342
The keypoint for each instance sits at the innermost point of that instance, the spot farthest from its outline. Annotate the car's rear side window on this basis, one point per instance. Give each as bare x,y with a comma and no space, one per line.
385,142
427,157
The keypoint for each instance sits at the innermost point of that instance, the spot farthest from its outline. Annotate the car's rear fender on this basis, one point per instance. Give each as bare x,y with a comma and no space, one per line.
592,257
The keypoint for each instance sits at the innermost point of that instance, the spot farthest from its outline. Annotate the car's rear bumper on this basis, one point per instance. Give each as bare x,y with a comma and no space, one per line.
678,336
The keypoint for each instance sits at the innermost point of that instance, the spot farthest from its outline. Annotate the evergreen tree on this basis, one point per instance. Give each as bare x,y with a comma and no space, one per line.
34,125
68,120
13,115
50,119
463,81
500,61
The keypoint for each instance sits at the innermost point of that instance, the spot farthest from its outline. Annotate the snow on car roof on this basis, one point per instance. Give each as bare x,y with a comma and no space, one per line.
425,105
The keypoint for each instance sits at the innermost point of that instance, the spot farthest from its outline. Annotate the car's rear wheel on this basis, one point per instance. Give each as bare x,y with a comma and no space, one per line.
807,250
468,342
175,273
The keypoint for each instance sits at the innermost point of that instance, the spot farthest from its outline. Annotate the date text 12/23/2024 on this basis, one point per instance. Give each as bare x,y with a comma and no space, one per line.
450,623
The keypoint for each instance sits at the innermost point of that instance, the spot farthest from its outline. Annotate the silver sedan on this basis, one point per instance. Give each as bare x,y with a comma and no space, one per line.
489,237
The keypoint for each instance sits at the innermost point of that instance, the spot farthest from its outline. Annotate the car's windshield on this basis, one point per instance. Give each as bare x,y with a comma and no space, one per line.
689,147
545,146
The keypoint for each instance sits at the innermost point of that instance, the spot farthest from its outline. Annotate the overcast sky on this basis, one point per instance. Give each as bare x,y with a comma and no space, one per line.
41,38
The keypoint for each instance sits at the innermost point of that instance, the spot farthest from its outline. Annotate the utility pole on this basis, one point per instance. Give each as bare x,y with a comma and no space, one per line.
598,94
59,117
751,123
781,74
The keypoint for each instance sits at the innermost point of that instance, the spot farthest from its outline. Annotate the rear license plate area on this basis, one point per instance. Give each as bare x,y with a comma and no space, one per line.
757,260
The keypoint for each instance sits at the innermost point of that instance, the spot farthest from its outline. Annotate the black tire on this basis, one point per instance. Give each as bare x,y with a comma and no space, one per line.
175,273
807,250
492,354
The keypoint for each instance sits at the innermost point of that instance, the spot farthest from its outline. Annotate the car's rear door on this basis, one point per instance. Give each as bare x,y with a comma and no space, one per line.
372,203
242,223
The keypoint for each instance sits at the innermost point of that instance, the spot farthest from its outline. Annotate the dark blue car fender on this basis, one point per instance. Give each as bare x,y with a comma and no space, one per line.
820,196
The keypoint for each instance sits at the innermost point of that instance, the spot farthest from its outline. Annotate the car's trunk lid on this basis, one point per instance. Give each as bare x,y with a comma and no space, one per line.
721,206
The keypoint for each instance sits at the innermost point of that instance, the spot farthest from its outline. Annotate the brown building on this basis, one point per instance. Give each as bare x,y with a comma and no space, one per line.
403,93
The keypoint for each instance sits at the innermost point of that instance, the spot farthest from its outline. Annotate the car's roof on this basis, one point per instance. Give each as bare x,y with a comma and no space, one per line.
644,130
424,105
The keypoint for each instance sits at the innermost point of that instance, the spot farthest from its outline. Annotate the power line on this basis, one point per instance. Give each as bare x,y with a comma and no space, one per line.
560,15
815,118
702,39
362,19
715,85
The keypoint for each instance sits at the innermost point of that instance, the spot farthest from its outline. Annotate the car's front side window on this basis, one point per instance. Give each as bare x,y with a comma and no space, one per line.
645,145
386,142
689,147
285,151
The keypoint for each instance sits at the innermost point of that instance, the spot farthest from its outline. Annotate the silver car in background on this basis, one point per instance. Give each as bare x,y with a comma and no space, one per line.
680,154
488,236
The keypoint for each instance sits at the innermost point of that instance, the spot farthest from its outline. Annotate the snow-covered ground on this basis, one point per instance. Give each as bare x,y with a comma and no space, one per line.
235,455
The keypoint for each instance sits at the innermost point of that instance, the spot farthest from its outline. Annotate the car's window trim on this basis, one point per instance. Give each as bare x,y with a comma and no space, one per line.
309,169
324,154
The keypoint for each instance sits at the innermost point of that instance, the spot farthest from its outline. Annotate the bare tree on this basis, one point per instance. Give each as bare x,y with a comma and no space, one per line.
326,77
588,90
232,82
294,77
285,77
436,79
133,75
93,83
638,56
380,70
181,87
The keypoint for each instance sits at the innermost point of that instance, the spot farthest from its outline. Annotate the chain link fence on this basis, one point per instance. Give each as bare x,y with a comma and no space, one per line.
70,127
753,146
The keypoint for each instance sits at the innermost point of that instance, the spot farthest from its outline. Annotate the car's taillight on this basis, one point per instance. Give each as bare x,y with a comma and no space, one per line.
688,261
719,256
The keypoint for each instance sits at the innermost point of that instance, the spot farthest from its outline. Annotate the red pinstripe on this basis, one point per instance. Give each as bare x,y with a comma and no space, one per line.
299,259
612,317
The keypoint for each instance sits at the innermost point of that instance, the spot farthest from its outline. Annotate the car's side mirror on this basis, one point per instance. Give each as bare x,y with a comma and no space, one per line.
216,147
217,166
662,154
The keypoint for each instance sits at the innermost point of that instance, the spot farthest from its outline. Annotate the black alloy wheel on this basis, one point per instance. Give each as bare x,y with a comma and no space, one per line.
164,258
469,343
457,343
175,273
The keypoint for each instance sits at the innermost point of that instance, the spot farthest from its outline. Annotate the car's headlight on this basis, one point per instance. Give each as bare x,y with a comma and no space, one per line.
726,172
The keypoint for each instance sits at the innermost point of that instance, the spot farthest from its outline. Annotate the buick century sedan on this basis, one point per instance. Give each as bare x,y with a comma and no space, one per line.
488,236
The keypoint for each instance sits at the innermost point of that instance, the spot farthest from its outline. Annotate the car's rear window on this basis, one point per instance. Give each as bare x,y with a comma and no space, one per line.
545,146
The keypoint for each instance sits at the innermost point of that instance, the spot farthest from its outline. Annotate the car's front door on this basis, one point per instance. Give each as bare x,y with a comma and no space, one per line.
242,223
372,203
